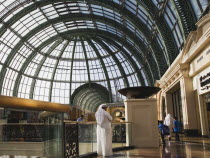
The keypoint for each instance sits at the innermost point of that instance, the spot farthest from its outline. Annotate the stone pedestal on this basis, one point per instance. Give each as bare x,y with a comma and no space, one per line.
143,115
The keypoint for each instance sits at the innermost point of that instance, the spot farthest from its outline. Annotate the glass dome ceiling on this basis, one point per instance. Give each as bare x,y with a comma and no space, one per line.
49,48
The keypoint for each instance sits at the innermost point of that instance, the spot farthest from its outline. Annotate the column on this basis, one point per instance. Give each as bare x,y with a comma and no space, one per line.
188,107
142,113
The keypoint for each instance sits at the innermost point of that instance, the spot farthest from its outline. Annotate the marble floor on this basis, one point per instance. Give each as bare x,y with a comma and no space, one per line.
186,148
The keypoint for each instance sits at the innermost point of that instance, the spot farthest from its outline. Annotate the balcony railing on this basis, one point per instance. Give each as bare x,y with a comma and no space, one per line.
52,138
80,137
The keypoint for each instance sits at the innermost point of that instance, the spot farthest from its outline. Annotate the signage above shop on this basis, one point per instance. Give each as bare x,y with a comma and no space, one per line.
205,81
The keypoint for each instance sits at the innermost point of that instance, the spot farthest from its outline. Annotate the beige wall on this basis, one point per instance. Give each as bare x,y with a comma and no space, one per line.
192,62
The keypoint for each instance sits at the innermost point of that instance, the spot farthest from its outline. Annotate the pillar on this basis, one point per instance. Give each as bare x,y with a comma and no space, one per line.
188,107
142,113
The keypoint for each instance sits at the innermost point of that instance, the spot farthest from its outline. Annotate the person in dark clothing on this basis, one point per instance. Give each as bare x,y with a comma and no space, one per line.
160,126
176,128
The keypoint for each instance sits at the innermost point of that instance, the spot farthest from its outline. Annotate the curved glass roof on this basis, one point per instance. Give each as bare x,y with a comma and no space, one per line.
51,47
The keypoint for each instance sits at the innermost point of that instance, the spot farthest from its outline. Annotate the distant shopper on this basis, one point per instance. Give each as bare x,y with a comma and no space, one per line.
177,125
80,118
169,121
160,126
104,131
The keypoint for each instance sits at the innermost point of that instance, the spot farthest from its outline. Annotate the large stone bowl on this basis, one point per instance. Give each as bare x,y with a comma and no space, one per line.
138,92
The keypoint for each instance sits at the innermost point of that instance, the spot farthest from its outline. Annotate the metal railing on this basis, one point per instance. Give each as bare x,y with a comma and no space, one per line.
64,139
80,137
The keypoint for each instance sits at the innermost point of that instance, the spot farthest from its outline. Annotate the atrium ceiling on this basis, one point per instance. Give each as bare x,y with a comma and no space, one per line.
49,48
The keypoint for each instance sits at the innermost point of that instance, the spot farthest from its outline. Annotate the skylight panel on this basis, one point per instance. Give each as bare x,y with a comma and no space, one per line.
112,47
38,16
85,11
6,3
90,52
118,1
140,35
83,4
43,36
82,27
98,13
60,27
74,8
5,50
17,61
131,6
20,8
100,49
58,49
50,62
8,17
137,63
62,10
9,82
57,25
17,26
23,30
39,37
2,7
38,58
72,28
173,20
50,12
168,21
10,38
71,4
60,4
68,51
31,69
24,87
62,74
48,47
25,50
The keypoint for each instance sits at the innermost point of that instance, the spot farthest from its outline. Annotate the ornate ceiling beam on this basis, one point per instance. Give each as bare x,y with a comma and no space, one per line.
55,68
103,66
72,64
130,59
158,57
163,28
186,16
63,18
86,60
29,59
69,35
108,50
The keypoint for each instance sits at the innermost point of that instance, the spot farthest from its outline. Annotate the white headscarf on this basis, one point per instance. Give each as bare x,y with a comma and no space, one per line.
100,114
169,115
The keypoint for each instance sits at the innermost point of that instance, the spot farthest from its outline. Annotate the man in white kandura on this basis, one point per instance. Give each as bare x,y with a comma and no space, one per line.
169,122
104,131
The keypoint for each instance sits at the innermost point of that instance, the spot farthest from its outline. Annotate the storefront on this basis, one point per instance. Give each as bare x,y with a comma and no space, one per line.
185,87
202,84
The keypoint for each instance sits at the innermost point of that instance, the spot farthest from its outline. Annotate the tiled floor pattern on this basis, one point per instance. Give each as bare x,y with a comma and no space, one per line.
186,148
